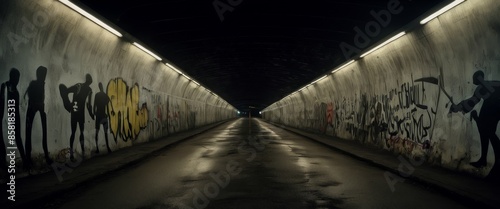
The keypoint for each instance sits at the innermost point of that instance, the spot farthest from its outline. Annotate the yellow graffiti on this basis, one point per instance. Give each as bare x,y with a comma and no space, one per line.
126,118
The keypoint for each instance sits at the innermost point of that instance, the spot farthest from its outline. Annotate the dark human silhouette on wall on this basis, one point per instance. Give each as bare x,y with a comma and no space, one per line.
36,103
101,111
3,152
489,115
81,92
13,94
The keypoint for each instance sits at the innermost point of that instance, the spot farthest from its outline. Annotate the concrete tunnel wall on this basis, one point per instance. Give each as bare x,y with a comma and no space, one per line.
392,98
149,99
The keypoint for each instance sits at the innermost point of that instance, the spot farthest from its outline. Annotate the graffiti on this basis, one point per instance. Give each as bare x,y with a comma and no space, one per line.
329,117
191,120
360,118
401,145
412,118
377,121
36,103
63,155
319,116
407,112
128,118
82,94
161,119
409,95
488,117
13,95
350,116
173,115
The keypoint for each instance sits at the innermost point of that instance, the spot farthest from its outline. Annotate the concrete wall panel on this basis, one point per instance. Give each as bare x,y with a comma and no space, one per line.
148,100
396,97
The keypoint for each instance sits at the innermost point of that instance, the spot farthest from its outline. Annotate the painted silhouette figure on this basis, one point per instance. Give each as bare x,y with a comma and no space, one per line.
101,110
3,152
13,94
36,103
489,92
81,92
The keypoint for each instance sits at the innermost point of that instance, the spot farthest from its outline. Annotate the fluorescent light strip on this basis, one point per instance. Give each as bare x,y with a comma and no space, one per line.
441,11
173,68
90,17
147,51
319,79
343,66
195,82
305,87
187,77
385,43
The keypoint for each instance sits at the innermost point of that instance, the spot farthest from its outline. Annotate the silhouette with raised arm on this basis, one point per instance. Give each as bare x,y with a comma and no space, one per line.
36,103
487,120
101,111
81,92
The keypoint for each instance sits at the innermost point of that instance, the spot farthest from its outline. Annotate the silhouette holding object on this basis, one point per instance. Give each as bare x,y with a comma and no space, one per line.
13,95
36,103
101,110
489,116
81,92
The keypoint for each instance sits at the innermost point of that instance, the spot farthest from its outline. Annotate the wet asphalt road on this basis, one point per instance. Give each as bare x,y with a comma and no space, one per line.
257,165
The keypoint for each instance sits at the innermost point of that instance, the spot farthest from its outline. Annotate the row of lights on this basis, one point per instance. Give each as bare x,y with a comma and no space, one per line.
397,36
260,112
117,33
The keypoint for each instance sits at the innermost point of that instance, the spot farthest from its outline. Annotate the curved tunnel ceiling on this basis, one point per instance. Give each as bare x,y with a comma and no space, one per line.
262,50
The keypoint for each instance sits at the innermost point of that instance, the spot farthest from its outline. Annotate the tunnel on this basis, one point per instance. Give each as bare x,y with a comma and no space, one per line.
249,104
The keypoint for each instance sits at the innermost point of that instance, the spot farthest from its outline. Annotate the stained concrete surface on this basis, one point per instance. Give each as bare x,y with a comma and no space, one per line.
277,169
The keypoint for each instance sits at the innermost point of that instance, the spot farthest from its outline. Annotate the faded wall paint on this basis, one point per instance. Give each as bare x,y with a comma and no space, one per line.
77,83
422,96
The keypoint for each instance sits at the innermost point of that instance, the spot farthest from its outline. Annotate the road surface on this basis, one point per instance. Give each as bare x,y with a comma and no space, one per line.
256,165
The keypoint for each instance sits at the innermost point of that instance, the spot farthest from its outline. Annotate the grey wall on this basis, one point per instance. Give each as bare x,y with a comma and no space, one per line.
149,99
392,98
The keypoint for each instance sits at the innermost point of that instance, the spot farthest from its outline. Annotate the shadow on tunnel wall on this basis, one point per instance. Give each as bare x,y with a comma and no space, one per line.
486,120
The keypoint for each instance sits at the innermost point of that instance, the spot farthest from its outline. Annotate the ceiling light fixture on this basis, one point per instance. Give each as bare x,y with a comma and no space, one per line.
147,51
187,77
173,68
383,44
90,17
343,66
319,79
441,11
